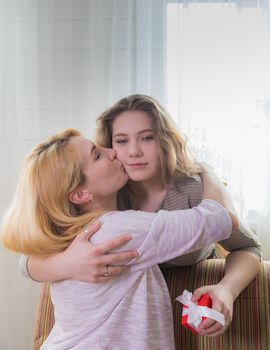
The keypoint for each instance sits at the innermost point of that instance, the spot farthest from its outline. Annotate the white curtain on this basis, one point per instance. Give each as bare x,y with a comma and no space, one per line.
218,90
151,18
62,62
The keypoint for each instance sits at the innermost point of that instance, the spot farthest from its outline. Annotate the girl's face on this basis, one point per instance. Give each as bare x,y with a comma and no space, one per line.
137,147
104,173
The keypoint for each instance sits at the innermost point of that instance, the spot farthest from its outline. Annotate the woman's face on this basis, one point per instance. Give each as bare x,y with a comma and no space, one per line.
104,173
137,147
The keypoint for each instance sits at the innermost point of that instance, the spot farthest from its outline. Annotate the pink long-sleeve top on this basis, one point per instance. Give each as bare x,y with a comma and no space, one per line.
133,310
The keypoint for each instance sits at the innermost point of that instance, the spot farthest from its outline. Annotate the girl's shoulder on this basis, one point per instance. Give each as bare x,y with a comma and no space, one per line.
187,184
184,193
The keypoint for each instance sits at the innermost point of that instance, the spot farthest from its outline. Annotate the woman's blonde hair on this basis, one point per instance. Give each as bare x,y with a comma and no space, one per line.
175,160
41,220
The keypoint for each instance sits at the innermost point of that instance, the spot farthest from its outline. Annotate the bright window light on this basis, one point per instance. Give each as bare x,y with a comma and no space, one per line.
218,90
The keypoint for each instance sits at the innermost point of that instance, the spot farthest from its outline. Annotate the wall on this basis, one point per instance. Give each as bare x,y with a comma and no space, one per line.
63,62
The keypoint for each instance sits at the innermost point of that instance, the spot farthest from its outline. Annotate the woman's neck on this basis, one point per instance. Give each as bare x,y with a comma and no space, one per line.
146,196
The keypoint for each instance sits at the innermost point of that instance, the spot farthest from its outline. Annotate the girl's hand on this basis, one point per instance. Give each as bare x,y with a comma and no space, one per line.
222,301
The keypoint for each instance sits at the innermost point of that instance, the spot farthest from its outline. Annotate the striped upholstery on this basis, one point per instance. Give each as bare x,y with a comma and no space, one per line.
250,329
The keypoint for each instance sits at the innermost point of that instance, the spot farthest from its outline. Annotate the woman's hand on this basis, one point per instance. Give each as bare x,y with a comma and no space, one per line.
94,263
83,260
222,301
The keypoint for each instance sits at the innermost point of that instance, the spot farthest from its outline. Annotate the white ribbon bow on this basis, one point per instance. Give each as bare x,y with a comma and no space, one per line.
196,312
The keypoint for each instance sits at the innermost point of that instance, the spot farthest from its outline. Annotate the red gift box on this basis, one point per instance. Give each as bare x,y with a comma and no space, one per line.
204,300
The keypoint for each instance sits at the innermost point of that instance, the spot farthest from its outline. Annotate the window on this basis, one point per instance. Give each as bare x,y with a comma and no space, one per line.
218,90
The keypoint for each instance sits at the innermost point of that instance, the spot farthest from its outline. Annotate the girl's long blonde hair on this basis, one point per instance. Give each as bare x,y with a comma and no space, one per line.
175,159
41,220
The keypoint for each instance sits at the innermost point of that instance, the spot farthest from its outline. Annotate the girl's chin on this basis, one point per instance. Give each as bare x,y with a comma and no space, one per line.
137,179
137,176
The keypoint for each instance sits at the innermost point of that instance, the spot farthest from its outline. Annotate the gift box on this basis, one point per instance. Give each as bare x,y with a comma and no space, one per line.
194,313
205,300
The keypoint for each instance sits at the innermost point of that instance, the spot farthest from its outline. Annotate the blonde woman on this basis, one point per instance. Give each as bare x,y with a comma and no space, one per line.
162,175
66,183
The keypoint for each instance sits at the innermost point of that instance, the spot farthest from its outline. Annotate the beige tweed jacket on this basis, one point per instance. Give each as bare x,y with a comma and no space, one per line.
185,194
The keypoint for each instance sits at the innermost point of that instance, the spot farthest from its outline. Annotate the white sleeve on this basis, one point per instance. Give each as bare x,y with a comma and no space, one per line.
167,234
179,232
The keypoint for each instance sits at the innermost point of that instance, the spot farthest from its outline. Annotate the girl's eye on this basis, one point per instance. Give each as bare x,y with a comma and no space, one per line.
121,141
148,138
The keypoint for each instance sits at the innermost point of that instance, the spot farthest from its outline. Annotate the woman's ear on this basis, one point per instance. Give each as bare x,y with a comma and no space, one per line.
80,197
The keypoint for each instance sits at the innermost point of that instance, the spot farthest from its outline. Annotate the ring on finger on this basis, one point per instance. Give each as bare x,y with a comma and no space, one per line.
106,274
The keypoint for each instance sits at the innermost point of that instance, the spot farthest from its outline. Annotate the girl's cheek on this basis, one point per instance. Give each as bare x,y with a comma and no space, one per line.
120,155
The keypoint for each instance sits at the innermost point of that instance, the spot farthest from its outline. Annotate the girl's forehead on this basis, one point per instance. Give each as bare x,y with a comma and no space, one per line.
132,121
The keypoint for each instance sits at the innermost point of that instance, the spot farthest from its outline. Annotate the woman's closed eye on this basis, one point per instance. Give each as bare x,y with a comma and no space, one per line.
97,155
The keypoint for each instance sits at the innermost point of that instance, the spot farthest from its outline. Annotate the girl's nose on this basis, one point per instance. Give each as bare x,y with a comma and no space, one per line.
135,150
